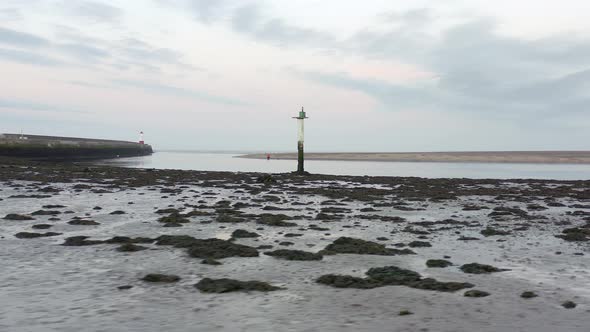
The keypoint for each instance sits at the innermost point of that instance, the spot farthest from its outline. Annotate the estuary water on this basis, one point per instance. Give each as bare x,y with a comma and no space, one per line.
229,162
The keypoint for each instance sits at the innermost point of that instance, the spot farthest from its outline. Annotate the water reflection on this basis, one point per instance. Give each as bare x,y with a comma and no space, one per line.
228,162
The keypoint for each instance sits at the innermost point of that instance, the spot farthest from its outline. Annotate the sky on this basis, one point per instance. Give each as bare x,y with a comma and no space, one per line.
373,75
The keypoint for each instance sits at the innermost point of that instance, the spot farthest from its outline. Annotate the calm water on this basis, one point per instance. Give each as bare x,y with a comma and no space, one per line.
228,162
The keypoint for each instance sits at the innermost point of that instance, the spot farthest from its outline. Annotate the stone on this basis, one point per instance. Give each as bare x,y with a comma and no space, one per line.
438,263
295,255
157,277
475,293
476,268
225,285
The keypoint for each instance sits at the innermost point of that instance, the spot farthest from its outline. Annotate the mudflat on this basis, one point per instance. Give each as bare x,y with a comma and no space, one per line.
540,157
104,248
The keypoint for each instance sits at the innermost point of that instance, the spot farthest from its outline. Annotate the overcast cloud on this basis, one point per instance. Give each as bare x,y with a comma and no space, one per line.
400,77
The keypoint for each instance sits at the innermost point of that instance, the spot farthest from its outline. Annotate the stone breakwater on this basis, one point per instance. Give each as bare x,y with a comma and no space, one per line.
100,248
52,147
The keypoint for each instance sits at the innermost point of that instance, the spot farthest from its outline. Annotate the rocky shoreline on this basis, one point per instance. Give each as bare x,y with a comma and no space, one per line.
315,252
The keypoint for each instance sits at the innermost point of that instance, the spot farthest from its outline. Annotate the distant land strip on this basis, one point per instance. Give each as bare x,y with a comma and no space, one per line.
532,157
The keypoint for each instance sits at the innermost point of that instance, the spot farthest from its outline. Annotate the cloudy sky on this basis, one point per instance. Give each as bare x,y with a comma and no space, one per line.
373,75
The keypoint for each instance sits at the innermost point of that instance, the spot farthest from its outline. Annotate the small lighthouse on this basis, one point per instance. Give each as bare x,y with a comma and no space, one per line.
302,116
141,141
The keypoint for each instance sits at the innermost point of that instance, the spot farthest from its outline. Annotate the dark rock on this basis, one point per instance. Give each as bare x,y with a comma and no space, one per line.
83,222
172,224
569,304
227,218
491,232
41,226
118,212
467,238
275,220
476,293
344,281
217,249
419,244
30,196
393,275
438,263
168,211
405,313
264,246
225,285
14,216
241,233
45,213
126,239
156,277
178,241
266,179
125,287
348,245
80,241
575,234
130,247
174,218
210,261
295,255
286,243
388,276
528,295
28,235
293,235
433,284
328,217
57,206
476,268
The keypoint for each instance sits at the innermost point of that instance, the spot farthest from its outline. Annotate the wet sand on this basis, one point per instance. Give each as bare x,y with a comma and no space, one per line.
535,157
535,232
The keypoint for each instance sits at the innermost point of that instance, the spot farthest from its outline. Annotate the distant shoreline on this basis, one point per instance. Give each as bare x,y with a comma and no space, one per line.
516,157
